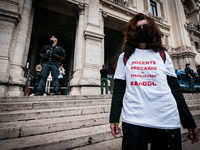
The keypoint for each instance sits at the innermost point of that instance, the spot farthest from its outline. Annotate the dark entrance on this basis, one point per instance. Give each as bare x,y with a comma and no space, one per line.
60,24
114,38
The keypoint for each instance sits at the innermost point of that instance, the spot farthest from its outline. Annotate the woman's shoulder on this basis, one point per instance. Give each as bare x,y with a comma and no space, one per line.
121,55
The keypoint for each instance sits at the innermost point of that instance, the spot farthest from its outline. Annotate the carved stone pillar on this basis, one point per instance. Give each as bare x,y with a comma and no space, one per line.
89,83
78,52
9,17
175,62
18,81
145,5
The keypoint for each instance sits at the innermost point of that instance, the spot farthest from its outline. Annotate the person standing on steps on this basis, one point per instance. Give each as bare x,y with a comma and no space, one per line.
60,76
52,55
38,69
104,79
147,92
190,78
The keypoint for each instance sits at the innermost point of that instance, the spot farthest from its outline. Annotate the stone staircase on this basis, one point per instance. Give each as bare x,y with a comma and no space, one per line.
64,122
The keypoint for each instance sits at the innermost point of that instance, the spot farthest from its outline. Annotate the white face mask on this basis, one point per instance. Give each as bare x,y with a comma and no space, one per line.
189,66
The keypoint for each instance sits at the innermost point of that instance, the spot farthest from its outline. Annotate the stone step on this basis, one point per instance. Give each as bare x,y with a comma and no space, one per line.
190,95
36,127
83,137
12,106
51,104
194,107
193,101
196,114
69,97
35,114
60,140
115,144
52,98
24,115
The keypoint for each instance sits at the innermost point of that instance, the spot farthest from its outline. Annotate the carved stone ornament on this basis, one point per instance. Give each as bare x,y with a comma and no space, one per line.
104,14
81,9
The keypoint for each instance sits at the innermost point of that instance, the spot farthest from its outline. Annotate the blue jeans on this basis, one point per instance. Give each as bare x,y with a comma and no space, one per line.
37,80
191,86
46,68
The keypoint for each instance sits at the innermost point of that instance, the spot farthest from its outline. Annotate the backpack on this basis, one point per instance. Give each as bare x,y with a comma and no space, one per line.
162,55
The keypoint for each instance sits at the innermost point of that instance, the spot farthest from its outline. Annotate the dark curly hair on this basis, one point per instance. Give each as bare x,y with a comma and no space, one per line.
130,40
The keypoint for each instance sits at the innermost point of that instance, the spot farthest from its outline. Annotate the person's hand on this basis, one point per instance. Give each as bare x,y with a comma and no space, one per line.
193,135
115,129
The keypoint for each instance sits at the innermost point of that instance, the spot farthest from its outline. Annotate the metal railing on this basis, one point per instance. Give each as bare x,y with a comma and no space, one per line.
29,76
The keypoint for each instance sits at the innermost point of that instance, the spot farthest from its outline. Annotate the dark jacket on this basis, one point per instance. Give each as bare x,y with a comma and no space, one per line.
52,54
185,115
188,71
104,73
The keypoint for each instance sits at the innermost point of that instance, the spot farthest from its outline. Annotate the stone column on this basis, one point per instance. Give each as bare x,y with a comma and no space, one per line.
17,79
90,82
26,50
91,53
175,62
9,17
78,52
178,33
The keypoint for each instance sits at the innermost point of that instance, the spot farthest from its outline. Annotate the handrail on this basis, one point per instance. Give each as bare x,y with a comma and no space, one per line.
28,74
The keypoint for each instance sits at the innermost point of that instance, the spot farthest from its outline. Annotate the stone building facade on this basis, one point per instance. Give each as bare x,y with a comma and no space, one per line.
91,32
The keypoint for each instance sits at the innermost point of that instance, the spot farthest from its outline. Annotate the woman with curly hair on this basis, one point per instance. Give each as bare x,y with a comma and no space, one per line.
147,92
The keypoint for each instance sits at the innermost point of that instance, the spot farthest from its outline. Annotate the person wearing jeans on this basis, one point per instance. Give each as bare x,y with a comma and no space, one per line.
52,55
104,79
37,79
190,77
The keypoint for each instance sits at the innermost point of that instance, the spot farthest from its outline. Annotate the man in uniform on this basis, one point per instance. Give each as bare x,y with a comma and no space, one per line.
52,55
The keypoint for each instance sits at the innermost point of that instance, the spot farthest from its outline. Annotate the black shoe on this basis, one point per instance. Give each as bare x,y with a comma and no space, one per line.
39,93
56,93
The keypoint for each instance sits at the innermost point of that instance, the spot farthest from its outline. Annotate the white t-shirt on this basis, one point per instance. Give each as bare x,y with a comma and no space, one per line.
148,100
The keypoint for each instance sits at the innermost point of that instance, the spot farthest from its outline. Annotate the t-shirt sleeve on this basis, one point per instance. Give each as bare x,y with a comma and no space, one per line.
120,70
169,66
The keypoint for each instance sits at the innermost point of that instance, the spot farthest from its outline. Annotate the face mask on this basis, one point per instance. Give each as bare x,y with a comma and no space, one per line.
51,42
142,35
